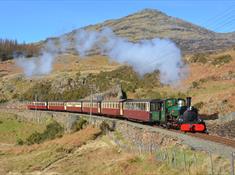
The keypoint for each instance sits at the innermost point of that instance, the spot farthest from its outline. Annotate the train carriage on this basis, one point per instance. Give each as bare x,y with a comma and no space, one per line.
176,113
37,105
112,108
56,106
143,110
73,106
93,107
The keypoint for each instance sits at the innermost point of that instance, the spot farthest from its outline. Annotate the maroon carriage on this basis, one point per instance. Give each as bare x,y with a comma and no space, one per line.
73,106
37,105
138,110
112,108
56,106
92,106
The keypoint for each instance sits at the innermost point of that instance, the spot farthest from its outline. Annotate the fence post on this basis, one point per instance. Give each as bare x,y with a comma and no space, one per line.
232,163
212,168
184,161
195,161
174,157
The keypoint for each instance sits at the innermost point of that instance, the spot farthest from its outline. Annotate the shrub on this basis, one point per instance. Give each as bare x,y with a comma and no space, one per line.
34,138
152,94
52,131
3,100
199,105
104,127
80,124
198,58
222,59
19,141
195,84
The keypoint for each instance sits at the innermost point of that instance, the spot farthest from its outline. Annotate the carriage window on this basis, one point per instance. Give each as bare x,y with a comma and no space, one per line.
169,103
155,107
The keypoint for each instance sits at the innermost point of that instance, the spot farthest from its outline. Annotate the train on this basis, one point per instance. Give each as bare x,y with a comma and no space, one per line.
171,113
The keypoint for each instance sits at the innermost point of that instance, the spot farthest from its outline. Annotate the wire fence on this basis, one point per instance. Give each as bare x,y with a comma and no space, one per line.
186,160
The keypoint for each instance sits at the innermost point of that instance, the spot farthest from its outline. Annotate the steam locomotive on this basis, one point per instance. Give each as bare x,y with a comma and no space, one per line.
176,113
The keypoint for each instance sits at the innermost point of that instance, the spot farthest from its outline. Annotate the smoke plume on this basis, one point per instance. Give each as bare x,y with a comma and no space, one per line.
40,65
144,56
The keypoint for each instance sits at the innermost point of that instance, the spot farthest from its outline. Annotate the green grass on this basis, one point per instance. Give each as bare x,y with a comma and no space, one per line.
12,128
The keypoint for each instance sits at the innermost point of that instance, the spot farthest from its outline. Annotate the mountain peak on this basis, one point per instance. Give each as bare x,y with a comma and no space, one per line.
152,23
149,10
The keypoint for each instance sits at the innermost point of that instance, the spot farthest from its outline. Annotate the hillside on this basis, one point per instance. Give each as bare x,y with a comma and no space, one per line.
210,79
210,83
148,24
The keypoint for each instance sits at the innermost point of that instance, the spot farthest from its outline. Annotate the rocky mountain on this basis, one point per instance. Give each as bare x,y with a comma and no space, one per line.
148,24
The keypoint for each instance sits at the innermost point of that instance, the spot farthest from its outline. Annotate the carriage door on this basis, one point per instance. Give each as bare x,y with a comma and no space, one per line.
99,107
121,108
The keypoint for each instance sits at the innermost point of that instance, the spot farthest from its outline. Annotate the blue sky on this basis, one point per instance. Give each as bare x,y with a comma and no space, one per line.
32,21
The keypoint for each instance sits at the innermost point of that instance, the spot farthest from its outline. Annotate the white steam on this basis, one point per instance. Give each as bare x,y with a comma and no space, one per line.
145,56
39,65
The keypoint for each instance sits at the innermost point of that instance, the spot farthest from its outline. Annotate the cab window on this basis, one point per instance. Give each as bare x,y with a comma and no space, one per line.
154,107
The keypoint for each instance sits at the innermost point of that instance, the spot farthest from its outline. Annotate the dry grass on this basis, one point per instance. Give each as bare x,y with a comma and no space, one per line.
81,153
40,156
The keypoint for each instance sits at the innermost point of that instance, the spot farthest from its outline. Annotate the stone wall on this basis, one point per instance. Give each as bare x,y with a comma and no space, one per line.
128,134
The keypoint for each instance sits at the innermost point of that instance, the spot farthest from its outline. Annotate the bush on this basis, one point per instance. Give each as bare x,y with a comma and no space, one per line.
3,100
125,76
199,105
222,59
52,131
198,58
36,137
104,127
19,141
152,95
195,84
80,124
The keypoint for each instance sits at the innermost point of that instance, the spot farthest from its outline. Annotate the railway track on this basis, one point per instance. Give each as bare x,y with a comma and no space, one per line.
207,137
214,138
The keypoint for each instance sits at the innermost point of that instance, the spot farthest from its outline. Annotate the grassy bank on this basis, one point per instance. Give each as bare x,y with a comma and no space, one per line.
12,128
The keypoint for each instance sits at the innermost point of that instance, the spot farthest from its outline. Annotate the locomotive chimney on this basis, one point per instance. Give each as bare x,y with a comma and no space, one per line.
188,101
